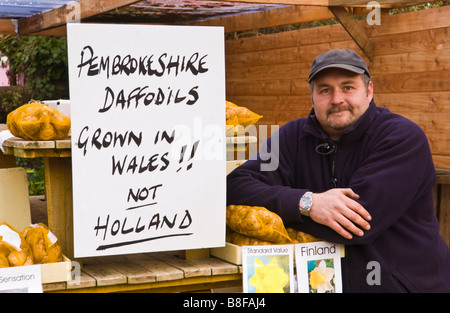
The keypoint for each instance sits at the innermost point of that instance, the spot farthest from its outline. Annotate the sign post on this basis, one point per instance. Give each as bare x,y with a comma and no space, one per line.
148,138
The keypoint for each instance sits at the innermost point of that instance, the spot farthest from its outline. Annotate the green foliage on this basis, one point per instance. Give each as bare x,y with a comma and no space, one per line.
36,182
10,98
41,60
35,174
414,8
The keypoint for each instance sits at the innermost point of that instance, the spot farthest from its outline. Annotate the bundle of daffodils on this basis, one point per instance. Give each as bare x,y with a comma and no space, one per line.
35,245
37,121
253,225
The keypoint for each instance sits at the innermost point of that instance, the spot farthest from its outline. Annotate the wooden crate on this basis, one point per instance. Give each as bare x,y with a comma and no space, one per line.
15,210
231,253
56,272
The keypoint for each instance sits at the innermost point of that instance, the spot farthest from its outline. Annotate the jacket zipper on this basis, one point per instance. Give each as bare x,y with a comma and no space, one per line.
326,149
333,167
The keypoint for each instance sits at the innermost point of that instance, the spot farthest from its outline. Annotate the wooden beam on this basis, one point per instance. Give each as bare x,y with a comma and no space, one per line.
383,3
269,18
7,27
83,9
57,31
323,3
57,17
354,30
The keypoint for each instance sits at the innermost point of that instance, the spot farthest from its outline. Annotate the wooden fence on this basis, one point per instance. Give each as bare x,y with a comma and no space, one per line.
268,73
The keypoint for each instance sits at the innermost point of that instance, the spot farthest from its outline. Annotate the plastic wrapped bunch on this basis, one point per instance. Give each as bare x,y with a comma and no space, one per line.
243,240
43,244
37,121
239,118
14,251
253,225
257,222
300,237
35,245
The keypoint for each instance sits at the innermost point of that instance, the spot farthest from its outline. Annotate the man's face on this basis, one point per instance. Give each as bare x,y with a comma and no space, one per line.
339,98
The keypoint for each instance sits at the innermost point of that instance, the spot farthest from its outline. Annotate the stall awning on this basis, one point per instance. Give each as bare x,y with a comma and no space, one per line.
37,16
21,8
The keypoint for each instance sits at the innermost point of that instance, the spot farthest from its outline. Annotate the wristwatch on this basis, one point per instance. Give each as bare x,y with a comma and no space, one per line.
305,203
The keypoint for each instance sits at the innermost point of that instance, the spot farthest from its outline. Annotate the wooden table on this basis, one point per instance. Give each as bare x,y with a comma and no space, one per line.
151,272
143,272
58,182
241,147
190,270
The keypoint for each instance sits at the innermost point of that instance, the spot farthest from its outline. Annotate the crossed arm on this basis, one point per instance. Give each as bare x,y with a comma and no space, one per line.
394,175
337,209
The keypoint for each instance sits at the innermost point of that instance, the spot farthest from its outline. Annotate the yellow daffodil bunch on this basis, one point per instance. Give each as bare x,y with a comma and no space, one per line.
269,278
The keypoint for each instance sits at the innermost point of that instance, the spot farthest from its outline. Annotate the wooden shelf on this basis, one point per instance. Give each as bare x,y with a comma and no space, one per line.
34,149
151,272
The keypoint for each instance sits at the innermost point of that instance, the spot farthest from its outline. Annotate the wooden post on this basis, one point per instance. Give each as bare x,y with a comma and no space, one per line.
58,189
194,254
443,213
442,202
7,161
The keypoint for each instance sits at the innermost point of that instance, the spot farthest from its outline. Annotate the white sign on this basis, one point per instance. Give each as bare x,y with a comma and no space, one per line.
21,279
148,137
319,267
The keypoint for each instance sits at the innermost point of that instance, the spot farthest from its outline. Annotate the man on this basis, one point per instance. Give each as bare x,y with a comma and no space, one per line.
355,174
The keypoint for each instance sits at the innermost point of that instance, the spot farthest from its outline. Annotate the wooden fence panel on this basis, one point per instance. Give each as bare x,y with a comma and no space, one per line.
268,73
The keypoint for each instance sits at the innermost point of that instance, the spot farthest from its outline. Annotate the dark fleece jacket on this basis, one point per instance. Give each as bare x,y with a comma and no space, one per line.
386,159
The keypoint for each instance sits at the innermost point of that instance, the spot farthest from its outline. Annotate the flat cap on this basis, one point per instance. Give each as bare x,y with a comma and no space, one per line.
338,58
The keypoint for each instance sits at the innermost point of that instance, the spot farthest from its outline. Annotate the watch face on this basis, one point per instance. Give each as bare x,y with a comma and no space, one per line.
306,202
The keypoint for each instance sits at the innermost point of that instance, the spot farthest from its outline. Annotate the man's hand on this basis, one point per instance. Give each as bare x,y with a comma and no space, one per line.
336,209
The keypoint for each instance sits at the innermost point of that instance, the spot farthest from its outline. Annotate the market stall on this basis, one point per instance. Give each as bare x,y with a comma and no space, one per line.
264,75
